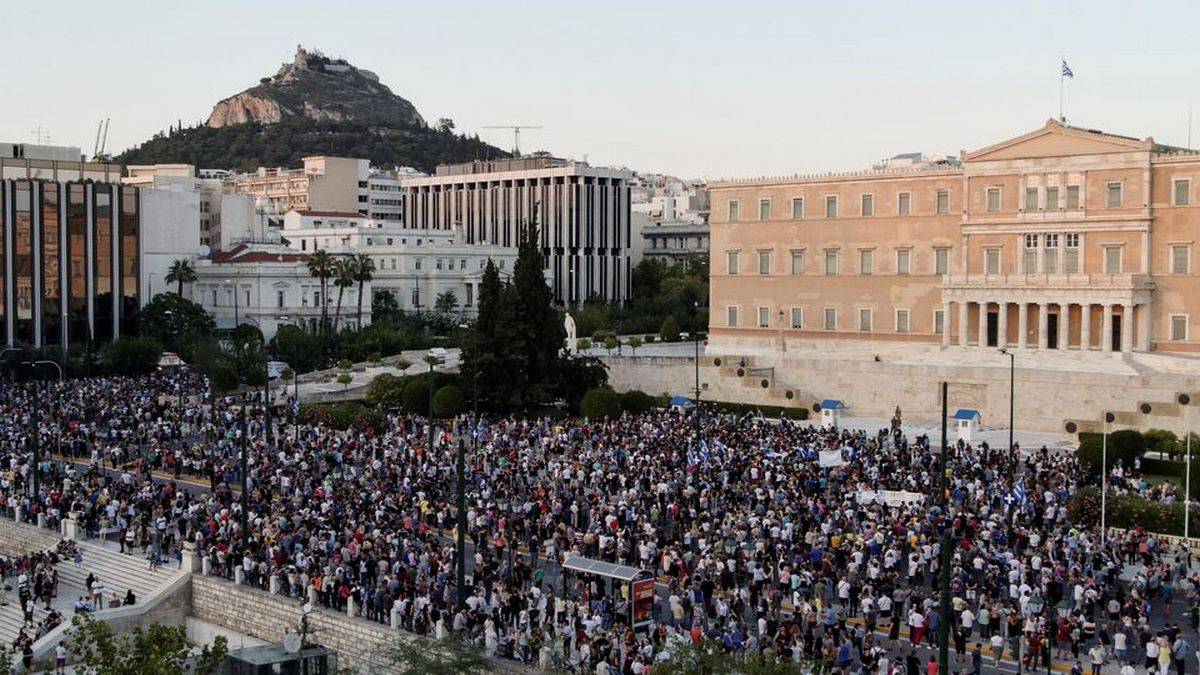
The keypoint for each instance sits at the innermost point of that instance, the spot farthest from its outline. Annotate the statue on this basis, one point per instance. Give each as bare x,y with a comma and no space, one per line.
572,341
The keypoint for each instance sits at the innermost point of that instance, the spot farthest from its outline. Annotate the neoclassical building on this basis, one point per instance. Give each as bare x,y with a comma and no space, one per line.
1062,238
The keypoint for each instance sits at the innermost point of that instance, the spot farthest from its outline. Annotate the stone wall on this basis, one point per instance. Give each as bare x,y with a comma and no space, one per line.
1046,399
20,538
269,617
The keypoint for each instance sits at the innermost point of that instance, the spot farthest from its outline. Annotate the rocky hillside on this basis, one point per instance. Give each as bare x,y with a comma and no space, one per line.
317,87
313,106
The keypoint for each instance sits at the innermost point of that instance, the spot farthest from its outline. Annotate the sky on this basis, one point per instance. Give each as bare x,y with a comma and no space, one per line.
698,89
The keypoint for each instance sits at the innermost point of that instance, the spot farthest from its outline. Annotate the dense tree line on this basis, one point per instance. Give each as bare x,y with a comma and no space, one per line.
244,147
516,349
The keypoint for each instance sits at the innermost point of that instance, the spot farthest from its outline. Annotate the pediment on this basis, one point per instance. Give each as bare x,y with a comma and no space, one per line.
1057,140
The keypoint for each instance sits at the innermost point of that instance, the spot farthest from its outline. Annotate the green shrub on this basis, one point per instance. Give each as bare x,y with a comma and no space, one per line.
131,355
1163,441
635,401
1124,447
599,403
343,415
386,390
669,331
773,411
449,402
416,394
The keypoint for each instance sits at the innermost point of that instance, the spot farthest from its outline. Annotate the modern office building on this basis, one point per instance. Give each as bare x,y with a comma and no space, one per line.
80,254
1061,238
582,213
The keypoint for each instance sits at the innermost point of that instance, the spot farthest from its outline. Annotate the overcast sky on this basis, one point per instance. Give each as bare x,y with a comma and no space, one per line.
698,89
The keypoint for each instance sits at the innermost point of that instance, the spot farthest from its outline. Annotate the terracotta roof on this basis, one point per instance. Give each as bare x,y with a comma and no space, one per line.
332,214
242,254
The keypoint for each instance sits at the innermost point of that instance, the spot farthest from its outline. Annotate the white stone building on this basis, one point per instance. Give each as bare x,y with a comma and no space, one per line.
268,286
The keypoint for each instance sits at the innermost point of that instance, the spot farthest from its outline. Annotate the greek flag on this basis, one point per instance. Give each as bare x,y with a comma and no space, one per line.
1066,70
295,405
1019,496
705,455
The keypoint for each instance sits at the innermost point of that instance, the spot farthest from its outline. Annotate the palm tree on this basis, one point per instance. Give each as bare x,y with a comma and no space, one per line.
320,265
181,272
364,271
343,278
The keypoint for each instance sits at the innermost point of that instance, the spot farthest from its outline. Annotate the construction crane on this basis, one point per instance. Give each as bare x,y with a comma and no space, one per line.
516,129
101,144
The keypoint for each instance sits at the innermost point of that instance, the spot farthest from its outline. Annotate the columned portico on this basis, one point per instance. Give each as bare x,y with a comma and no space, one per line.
1125,324
1106,329
983,323
1127,328
1064,323
1002,326
1043,325
1085,326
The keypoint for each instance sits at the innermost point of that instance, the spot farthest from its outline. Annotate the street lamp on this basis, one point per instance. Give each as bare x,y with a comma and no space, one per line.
1012,393
1183,400
236,321
1109,417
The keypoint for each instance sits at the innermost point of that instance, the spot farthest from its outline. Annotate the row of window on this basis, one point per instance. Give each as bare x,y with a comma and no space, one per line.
866,261
1041,255
1036,199
867,207
1178,323
829,317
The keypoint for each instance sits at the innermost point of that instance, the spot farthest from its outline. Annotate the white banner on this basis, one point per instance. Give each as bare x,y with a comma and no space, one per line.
889,497
831,458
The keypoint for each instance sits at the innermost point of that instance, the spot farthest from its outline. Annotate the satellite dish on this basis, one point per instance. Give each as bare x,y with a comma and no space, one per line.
204,250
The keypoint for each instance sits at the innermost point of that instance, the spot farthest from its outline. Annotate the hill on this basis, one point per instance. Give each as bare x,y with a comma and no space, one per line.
313,105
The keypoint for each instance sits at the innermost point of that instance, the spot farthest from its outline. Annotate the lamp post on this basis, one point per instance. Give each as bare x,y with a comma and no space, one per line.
432,361
1183,400
1109,417
244,471
236,322
1012,393
460,535
61,378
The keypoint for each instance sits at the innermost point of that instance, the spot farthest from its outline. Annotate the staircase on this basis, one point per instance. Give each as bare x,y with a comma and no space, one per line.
118,572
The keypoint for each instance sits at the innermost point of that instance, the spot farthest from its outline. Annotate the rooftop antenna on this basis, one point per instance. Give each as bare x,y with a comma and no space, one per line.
516,129
40,135
1189,143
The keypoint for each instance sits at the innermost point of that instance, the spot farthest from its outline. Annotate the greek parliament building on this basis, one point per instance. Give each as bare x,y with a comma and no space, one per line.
78,249
1063,238
583,216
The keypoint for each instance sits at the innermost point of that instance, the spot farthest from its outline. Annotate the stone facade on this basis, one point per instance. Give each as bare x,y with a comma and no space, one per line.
1047,399
1060,239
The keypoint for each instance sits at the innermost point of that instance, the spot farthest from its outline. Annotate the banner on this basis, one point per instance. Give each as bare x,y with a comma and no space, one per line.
889,497
831,458
643,602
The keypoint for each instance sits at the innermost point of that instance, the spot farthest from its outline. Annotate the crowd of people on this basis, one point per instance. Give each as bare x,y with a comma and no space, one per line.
779,539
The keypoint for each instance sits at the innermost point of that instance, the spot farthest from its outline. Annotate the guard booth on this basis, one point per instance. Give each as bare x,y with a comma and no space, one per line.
638,585
966,422
831,412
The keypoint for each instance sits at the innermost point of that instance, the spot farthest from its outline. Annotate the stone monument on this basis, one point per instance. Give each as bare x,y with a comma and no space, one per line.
572,338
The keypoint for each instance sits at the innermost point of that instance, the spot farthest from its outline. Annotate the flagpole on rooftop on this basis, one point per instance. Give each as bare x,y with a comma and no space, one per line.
1062,80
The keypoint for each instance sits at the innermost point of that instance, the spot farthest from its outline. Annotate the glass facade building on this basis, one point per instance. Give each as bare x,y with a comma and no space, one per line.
70,254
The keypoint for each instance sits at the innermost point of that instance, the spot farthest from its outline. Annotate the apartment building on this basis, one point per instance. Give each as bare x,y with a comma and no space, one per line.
1063,238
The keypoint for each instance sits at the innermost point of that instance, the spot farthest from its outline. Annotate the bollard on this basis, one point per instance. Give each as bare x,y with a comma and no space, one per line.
206,565
275,584
70,529
239,576
312,595
41,520
18,514
191,558
396,618
351,607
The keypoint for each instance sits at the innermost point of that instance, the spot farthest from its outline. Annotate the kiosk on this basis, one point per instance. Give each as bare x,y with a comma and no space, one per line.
638,583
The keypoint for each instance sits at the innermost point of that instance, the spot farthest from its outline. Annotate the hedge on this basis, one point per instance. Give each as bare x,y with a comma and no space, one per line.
1124,446
344,415
1128,511
767,410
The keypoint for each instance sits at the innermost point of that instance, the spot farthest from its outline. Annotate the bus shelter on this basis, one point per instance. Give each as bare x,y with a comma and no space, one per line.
637,583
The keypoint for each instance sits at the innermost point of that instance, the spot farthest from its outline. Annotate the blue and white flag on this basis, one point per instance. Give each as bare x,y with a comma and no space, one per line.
295,406
705,455
1019,497
1066,70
